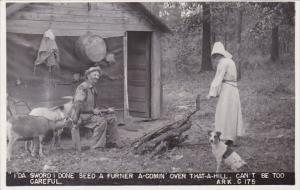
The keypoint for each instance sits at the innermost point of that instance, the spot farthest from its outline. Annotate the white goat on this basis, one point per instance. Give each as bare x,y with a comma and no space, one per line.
27,127
57,113
35,125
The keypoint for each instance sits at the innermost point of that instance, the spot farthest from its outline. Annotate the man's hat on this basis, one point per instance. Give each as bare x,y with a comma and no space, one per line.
92,69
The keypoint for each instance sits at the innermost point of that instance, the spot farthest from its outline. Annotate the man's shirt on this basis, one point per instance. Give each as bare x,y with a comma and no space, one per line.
87,95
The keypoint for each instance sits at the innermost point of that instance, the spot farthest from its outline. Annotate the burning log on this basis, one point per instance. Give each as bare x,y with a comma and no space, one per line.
165,137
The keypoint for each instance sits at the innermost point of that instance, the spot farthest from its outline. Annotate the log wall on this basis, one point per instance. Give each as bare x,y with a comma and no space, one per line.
74,19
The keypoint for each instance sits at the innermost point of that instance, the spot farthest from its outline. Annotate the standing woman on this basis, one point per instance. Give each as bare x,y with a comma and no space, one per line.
228,116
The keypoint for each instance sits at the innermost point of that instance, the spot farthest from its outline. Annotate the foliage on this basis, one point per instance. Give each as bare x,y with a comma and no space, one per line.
271,15
182,49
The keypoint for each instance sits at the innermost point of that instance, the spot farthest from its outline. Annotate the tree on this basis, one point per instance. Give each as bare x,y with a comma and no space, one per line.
239,41
275,44
206,46
226,23
247,30
286,12
240,24
197,17
274,15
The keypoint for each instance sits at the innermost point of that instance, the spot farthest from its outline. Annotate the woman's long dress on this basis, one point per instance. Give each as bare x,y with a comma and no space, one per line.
228,116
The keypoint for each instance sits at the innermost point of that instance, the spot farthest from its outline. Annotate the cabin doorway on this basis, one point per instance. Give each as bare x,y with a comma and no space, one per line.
139,73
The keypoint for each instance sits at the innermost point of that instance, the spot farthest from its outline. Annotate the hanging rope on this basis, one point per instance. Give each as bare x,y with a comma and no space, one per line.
51,16
89,9
50,26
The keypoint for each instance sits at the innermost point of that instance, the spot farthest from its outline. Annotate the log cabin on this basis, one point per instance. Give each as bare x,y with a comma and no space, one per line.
130,31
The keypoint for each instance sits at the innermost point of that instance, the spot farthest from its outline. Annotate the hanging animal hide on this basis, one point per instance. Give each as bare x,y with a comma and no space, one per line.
48,52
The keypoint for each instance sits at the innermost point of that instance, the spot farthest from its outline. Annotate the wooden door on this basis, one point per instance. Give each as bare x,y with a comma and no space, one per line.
139,82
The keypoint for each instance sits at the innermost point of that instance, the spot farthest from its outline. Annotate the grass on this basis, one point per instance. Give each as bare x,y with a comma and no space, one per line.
268,103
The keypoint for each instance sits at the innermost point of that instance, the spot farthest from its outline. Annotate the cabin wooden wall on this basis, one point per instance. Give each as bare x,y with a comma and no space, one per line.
74,19
21,53
104,19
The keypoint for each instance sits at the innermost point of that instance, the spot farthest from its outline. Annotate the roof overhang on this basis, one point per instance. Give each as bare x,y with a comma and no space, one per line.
156,21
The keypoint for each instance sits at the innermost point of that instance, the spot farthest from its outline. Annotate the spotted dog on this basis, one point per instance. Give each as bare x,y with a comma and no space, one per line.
224,153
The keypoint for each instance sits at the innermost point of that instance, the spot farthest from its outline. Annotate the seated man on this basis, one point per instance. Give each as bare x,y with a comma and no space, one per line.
102,122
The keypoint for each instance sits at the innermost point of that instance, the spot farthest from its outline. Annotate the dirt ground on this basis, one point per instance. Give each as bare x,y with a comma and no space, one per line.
268,103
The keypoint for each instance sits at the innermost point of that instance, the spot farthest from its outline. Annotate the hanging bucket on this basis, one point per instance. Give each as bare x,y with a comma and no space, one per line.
90,48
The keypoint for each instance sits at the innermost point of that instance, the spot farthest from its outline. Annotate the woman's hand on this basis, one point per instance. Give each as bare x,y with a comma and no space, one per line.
208,97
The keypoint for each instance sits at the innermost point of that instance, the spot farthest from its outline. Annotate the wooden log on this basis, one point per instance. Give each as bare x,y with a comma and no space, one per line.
14,8
155,75
153,134
91,48
169,134
126,101
23,15
159,148
75,11
163,129
167,137
61,32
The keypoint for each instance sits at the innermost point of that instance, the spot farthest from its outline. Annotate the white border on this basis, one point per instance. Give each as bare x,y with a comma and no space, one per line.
3,113
297,93
2,93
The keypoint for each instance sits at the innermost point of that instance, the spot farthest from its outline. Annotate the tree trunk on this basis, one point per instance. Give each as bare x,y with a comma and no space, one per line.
225,27
213,37
275,44
206,49
239,40
240,26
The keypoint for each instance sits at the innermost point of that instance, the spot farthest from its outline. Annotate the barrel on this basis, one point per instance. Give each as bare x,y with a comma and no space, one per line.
90,48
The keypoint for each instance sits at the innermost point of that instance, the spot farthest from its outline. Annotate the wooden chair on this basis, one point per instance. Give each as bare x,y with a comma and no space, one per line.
17,107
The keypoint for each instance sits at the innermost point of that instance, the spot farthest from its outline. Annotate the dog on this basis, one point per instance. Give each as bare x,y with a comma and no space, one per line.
224,153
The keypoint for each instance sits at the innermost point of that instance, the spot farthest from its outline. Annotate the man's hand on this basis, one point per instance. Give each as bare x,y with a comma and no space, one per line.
97,111
208,97
110,110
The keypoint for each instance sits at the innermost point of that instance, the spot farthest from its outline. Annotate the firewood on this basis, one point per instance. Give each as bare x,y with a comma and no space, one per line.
159,148
166,136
